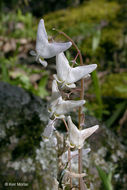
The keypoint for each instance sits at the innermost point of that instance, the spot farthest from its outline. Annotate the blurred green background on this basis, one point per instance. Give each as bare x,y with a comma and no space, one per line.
98,27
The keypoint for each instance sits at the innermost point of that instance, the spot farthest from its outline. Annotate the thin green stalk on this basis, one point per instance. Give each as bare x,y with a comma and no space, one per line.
98,93
95,44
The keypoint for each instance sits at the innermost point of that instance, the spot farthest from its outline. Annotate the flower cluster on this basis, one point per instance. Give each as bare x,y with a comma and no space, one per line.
65,78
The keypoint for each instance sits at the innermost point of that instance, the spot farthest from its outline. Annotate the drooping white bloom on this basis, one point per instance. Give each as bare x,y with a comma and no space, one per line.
58,106
46,49
76,136
48,131
68,75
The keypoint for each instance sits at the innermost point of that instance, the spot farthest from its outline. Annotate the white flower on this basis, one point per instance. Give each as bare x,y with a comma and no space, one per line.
46,49
68,75
76,136
58,106
48,131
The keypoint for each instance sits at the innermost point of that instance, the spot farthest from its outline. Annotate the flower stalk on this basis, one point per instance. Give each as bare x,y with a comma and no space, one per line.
66,77
81,115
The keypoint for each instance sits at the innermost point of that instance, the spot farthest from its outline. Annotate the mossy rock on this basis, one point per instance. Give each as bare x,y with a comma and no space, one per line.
22,115
115,85
81,23
91,12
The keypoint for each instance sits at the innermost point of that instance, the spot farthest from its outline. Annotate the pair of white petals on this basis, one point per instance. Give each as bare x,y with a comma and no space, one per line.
46,49
76,136
66,75
58,106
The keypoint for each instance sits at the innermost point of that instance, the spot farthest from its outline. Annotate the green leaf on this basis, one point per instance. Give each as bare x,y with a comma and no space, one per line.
42,92
122,89
95,44
5,75
96,40
119,108
97,92
25,81
105,178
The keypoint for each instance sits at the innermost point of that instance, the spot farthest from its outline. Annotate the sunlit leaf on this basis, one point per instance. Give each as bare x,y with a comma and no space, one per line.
105,178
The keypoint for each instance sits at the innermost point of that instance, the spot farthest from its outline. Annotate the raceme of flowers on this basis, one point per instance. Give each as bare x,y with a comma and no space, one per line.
66,77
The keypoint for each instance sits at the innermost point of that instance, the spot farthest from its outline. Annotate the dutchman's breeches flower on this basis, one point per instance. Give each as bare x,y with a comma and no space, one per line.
45,49
67,75
76,136
58,106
